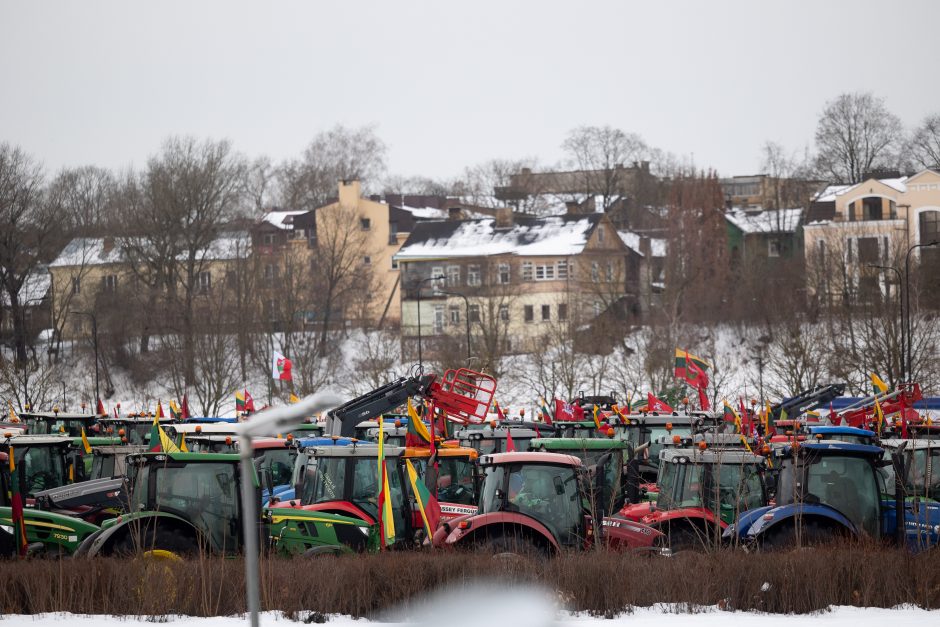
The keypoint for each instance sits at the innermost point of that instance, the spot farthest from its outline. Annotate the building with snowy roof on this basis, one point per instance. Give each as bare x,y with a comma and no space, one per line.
756,234
91,273
849,229
514,279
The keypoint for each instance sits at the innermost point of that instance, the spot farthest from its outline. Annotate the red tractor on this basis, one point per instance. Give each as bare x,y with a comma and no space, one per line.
542,503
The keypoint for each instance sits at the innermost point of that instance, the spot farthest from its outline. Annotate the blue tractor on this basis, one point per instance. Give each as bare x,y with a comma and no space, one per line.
853,435
831,489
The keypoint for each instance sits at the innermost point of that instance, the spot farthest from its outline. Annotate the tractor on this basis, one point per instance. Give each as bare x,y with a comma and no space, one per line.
60,423
701,491
47,533
495,438
542,503
829,489
44,461
131,428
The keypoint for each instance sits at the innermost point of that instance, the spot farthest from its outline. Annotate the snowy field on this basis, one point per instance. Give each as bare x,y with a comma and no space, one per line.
664,616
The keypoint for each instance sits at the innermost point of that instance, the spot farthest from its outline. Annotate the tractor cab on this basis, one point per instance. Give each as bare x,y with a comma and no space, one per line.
307,430
494,439
925,431
852,435
59,423
921,467
43,461
613,456
304,450
702,490
394,434
185,501
456,482
189,430
542,502
110,461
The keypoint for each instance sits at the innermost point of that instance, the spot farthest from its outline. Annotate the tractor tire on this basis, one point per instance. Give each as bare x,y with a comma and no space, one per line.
511,546
684,537
162,543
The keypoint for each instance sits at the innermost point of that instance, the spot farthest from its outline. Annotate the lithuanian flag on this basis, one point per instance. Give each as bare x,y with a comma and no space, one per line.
427,502
386,516
417,434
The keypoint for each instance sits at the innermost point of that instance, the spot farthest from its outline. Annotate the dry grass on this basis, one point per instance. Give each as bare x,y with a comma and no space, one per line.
600,583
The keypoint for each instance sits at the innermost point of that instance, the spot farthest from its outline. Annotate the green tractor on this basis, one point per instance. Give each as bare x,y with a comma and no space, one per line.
47,533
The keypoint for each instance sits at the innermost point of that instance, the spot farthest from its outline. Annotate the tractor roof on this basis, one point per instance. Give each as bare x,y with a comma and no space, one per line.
186,457
553,459
916,444
578,444
499,432
134,420
211,420
656,418
442,452
304,443
258,443
708,456
36,440
49,415
211,428
834,447
840,430
367,449
123,449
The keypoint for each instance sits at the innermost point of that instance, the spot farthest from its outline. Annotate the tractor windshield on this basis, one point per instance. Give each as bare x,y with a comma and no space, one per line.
548,493
924,473
279,462
42,467
455,481
102,467
846,484
735,488
69,427
680,485
353,479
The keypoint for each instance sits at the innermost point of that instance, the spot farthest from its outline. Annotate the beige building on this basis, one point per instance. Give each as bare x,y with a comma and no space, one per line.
850,228
514,280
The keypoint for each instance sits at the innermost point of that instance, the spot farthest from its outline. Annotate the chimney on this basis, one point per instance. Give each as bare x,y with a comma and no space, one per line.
107,245
573,208
646,247
454,213
349,194
504,218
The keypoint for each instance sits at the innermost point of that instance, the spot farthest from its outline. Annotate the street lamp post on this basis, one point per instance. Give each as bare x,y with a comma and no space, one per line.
94,339
900,312
417,285
907,303
466,302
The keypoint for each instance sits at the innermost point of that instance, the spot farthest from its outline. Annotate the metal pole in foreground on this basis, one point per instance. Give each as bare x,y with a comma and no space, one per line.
900,312
265,423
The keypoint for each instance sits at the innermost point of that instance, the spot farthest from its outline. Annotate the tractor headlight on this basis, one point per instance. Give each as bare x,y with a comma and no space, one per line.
364,530
936,529
7,529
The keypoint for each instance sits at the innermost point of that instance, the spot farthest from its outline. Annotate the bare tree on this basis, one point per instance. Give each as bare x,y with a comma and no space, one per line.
85,197
855,134
925,142
30,233
260,177
600,153
478,184
338,154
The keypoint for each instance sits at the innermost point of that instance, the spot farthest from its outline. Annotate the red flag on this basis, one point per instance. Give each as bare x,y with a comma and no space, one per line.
567,412
745,417
99,408
703,399
249,401
510,445
499,411
185,408
654,404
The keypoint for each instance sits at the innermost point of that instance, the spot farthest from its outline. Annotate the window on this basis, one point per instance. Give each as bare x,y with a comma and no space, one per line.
365,224
367,260
205,281
474,313
868,250
504,313
453,276
454,316
597,308
528,313
610,271
526,270
545,272
394,264
546,313
109,282
871,208
267,239
76,285
503,275
600,233
437,272
438,319
852,212
270,271
595,272
231,279
929,227
773,247
563,312
561,269
473,275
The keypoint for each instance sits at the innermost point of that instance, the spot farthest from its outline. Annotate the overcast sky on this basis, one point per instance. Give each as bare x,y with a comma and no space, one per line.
447,83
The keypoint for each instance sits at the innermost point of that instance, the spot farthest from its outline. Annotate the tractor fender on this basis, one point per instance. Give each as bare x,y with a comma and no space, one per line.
636,511
660,517
738,530
776,516
483,523
620,533
102,542
342,508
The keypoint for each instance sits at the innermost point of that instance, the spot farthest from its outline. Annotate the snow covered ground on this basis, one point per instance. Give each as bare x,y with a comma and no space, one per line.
663,616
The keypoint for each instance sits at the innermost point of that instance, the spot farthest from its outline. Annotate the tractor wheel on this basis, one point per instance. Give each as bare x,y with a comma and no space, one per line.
685,537
162,543
511,546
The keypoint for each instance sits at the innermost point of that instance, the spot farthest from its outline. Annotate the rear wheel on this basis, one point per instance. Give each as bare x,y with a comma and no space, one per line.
159,543
687,537
809,534
512,545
